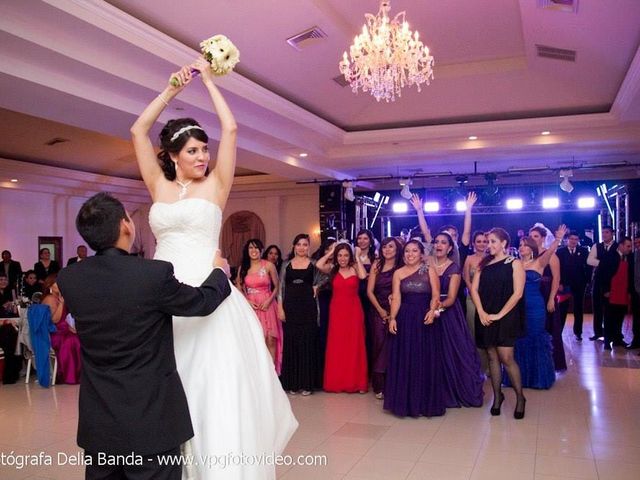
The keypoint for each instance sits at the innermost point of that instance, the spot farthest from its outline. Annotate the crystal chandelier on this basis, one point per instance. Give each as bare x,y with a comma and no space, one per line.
386,56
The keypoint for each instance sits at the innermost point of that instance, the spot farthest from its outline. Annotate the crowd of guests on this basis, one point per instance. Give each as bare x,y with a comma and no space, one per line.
425,320
37,285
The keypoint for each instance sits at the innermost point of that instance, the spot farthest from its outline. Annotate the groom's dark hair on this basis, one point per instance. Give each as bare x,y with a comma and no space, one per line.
98,221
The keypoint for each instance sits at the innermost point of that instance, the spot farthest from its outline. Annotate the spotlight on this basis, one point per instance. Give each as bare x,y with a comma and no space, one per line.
462,180
405,183
385,200
514,204
565,184
431,207
550,202
461,206
586,202
400,207
376,197
348,191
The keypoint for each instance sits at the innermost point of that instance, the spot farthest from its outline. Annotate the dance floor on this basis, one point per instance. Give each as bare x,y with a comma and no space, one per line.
586,427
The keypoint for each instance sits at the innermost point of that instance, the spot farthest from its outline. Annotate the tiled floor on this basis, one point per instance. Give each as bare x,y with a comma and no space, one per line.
586,427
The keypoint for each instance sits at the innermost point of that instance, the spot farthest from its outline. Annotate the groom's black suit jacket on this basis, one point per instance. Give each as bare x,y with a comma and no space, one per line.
131,397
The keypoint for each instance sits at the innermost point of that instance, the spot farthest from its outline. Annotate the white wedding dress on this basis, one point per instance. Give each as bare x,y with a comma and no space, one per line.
236,403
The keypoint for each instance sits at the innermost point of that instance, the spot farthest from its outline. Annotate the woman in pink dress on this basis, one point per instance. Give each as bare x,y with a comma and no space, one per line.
255,279
64,340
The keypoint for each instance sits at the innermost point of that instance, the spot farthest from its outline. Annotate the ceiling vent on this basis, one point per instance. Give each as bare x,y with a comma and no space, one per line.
340,80
306,38
556,53
559,5
55,141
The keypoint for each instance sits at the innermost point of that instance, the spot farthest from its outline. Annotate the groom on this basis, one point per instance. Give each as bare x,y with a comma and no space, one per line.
132,407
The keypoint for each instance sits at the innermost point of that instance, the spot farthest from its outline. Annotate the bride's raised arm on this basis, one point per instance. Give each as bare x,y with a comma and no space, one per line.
150,169
224,170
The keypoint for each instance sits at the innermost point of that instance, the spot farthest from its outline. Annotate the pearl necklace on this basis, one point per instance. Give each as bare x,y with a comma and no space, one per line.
183,190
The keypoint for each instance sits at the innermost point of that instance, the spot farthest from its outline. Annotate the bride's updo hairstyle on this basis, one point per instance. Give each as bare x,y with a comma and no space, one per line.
168,146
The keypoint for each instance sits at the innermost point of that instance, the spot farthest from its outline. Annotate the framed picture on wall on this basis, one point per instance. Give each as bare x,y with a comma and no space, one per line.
54,244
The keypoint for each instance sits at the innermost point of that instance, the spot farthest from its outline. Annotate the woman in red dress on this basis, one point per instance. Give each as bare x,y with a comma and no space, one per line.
345,368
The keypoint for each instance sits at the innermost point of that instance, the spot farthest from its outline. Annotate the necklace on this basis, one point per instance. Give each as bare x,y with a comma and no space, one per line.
183,190
441,266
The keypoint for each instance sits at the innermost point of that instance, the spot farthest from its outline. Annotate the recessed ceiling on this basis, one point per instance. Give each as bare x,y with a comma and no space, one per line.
93,66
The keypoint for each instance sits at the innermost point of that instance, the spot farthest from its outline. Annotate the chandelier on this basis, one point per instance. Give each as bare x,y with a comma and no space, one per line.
386,56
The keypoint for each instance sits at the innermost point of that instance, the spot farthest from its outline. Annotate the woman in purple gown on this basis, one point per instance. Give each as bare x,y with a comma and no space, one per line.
414,383
463,376
379,291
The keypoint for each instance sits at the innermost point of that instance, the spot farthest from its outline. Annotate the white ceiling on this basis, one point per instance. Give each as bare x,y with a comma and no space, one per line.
83,70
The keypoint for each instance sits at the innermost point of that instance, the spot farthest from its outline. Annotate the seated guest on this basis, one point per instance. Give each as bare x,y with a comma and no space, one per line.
11,268
81,255
45,266
30,285
8,334
65,339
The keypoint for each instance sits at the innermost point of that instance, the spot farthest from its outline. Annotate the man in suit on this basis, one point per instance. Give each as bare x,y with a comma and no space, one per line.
617,283
574,276
132,406
12,269
81,252
597,253
635,294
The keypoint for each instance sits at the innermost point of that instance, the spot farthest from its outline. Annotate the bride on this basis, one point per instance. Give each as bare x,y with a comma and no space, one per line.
237,406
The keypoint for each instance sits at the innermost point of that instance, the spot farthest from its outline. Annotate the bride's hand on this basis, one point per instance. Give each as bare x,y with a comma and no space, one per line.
281,314
204,67
180,79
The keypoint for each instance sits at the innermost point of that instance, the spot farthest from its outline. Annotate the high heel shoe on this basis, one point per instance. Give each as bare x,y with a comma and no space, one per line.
519,414
495,411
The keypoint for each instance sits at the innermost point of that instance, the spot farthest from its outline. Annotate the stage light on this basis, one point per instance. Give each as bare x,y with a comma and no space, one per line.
514,204
546,132
586,202
565,184
473,137
400,207
550,202
348,191
431,207
376,197
461,206
385,200
405,183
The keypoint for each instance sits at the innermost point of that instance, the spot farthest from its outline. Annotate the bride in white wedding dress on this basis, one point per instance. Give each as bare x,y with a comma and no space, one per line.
239,412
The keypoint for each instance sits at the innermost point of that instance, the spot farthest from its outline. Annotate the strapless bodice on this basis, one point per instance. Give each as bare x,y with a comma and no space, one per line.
187,234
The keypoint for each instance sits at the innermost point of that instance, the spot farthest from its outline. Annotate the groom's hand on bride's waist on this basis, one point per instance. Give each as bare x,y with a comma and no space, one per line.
220,262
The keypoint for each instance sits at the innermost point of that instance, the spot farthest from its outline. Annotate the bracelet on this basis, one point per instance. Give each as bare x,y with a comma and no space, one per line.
163,100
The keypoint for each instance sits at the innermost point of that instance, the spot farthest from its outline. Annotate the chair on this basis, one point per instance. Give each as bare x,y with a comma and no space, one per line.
28,354
40,328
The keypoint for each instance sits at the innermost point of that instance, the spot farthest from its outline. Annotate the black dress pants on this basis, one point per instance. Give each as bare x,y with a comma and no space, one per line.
613,318
103,468
598,309
577,299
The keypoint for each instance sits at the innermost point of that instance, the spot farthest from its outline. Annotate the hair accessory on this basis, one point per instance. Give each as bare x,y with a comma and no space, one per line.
185,129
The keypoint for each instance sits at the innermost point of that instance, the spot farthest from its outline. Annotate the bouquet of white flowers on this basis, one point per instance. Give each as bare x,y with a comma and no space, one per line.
220,53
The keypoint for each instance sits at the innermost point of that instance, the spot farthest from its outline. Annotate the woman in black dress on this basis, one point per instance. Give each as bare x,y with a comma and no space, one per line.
298,310
497,292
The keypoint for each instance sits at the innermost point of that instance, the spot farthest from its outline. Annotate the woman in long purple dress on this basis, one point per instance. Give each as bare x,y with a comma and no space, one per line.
463,376
414,374
379,291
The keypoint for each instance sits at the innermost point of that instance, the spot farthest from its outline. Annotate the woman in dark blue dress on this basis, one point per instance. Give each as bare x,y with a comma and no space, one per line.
414,383
533,352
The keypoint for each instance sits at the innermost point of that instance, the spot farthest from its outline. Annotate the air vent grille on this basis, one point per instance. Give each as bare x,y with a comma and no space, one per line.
560,5
546,51
306,38
340,80
55,141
